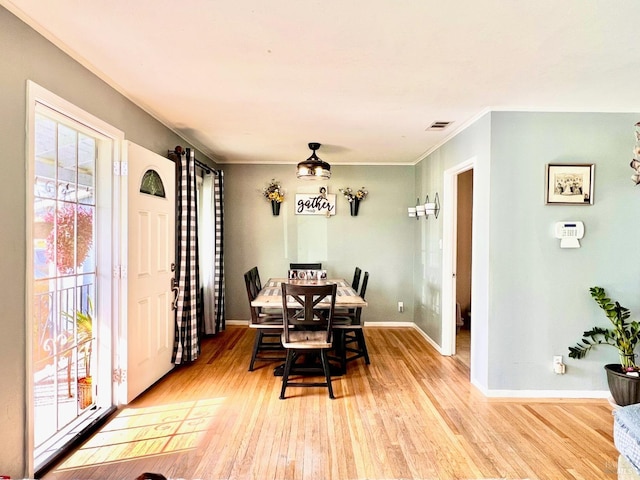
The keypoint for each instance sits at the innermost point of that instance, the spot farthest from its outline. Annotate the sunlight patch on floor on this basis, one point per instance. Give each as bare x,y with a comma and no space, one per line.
147,431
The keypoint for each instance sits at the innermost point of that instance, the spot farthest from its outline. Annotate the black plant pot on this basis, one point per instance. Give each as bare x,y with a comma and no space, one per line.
625,389
355,205
275,207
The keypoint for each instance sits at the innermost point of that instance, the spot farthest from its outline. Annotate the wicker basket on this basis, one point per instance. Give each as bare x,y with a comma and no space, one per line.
85,392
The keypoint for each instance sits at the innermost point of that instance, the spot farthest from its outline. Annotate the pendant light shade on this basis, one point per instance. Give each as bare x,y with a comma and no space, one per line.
313,167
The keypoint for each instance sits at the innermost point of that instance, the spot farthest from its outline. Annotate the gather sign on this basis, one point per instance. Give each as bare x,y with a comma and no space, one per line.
315,204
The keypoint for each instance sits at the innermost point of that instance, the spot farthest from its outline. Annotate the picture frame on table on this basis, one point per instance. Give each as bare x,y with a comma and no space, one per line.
569,183
296,274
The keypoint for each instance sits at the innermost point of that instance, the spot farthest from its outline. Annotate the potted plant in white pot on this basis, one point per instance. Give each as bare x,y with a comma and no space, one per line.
623,378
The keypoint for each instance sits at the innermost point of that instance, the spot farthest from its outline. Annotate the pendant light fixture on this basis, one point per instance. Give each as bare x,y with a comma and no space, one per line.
313,167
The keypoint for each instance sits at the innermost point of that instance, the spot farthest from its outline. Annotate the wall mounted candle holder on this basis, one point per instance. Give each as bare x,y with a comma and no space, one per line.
425,209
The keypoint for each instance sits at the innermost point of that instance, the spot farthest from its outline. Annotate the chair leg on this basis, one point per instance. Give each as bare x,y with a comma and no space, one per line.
343,350
256,346
285,374
339,353
362,345
327,372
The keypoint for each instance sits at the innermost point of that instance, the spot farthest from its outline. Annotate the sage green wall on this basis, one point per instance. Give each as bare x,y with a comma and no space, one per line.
531,298
25,55
379,240
472,143
540,302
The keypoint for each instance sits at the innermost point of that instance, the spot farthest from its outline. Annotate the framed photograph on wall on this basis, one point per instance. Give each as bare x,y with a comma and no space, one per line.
569,184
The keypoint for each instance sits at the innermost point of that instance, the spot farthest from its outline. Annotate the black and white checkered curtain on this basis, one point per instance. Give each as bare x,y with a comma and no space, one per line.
219,252
210,238
186,346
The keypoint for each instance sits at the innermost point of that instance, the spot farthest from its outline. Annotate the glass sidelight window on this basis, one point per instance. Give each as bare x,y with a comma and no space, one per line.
64,276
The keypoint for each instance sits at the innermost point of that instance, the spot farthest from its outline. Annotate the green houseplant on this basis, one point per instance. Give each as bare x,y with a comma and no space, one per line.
623,378
84,324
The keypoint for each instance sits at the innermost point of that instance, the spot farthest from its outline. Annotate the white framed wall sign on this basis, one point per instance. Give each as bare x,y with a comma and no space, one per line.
315,204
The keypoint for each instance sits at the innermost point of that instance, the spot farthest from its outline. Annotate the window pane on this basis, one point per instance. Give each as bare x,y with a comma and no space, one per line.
45,158
43,239
152,184
86,169
67,162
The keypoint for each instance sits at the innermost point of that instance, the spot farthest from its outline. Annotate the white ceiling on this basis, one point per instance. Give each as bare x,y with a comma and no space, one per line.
256,81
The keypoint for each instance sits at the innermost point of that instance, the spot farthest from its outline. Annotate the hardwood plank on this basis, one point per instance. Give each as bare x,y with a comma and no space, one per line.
410,414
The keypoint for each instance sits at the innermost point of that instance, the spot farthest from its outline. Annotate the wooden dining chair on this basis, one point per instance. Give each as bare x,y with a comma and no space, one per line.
307,329
350,332
268,326
341,311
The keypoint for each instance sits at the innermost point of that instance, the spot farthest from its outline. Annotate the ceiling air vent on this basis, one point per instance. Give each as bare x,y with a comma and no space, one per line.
436,126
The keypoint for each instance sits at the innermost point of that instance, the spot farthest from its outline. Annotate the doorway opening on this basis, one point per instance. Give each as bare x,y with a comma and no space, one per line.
457,267
464,222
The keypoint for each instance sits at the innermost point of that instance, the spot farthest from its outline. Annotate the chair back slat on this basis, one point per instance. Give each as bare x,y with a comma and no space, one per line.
365,282
305,266
356,278
363,290
253,285
306,314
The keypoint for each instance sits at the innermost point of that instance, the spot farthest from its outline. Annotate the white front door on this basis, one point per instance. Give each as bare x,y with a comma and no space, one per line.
151,257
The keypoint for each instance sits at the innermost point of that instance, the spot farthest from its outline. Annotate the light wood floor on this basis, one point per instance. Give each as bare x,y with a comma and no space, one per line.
463,346
411,414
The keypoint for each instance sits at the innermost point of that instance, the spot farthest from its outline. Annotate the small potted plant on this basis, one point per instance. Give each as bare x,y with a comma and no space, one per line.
84,323
623,378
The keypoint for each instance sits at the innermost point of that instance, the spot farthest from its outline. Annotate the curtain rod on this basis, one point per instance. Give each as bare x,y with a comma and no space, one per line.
180,151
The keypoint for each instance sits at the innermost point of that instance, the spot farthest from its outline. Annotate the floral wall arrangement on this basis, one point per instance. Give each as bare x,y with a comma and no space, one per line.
274,193
354,198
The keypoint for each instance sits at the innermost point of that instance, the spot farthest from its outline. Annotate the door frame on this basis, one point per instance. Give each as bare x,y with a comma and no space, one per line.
449,252
108,221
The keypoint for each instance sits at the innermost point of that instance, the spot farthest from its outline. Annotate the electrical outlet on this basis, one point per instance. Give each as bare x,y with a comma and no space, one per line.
558,367
400,307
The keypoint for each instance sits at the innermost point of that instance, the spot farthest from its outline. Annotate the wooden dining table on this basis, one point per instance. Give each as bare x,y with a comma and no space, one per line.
271,297
271,294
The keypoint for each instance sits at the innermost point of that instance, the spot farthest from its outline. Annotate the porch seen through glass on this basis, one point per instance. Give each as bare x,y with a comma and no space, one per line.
64,276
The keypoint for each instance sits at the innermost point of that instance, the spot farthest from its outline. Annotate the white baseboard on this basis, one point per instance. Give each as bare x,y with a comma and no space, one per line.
573,394
237,322
429,340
